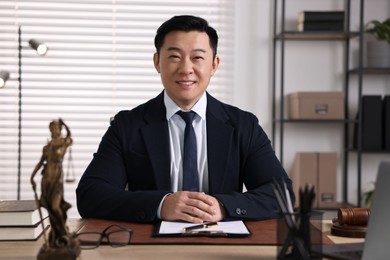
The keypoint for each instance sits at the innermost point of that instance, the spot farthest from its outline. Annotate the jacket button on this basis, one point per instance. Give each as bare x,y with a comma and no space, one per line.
238,211
243,211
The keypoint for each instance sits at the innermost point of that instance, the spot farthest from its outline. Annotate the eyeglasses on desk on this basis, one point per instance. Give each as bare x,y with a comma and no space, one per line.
114,235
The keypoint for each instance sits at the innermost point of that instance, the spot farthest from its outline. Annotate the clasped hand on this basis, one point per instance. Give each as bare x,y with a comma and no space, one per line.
194,207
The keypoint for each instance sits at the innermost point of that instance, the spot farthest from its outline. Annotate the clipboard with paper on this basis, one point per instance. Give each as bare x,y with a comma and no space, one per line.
221,229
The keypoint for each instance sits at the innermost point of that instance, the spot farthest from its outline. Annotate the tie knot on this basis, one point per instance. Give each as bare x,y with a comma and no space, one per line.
188,117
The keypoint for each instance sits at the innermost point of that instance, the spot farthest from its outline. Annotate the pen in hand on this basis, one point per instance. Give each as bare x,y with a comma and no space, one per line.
204,225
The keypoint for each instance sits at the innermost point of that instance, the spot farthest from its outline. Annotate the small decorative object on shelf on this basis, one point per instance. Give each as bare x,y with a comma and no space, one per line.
60,244
378,49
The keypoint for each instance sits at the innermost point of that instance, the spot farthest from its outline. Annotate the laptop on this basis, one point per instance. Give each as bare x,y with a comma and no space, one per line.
377,241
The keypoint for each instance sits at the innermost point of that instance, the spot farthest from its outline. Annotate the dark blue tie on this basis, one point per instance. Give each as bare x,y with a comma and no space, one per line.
190,168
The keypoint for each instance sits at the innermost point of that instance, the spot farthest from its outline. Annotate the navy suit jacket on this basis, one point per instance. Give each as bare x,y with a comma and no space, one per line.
130,173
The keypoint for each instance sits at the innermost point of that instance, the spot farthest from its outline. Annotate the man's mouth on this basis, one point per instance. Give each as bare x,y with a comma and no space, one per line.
188,83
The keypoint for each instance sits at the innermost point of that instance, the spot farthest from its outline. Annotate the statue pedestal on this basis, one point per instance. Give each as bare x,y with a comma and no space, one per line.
68,252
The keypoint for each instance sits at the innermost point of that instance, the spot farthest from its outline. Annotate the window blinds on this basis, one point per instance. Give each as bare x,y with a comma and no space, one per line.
99,62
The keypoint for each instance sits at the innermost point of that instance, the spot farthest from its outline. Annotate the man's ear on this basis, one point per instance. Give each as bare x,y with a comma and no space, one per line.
215,65
156,61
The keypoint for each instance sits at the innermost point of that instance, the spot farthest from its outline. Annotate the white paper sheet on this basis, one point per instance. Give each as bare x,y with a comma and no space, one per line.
228,227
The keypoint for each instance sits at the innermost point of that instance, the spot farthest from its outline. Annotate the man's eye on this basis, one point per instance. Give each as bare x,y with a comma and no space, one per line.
198,58
174,57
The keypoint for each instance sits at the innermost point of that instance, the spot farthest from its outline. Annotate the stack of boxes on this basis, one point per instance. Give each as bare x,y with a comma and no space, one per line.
316,168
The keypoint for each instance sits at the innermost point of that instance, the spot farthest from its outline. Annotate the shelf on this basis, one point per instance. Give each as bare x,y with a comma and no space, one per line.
316,35
346,38
372,71
316,121
369,151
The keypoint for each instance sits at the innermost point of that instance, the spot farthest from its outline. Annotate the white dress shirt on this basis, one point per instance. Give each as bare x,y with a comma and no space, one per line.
176,127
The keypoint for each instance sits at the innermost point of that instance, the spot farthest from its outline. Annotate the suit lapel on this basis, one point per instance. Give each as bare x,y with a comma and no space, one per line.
156,136
219,140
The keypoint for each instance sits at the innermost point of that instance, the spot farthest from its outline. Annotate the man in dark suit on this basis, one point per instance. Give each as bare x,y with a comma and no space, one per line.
137,174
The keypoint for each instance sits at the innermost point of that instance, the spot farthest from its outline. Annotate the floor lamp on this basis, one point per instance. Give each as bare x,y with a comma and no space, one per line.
41,49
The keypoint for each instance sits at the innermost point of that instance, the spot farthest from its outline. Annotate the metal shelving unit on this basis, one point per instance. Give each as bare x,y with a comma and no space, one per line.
279,120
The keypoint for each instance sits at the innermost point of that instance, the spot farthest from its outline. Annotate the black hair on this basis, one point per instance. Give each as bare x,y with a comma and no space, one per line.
186,23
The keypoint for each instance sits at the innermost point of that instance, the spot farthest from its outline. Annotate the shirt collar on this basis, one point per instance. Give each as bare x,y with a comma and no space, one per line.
199,108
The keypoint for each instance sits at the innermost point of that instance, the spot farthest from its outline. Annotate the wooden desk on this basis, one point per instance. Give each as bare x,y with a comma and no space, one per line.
29,249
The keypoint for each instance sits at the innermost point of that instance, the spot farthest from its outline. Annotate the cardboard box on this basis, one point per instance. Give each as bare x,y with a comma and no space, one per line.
316,105
318,169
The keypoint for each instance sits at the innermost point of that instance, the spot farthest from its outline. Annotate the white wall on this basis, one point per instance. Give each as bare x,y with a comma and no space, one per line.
308,66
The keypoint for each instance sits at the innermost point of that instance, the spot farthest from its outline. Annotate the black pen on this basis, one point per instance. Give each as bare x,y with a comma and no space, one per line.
204,225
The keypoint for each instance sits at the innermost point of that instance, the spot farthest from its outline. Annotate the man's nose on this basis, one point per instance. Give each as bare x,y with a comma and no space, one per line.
186,66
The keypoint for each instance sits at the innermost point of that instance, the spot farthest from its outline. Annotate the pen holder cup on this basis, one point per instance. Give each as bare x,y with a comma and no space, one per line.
299,235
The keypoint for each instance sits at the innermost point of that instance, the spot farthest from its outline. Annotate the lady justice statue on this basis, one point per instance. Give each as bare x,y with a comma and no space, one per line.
60,242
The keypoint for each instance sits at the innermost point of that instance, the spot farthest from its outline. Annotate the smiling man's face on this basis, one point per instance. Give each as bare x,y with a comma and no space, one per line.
186,65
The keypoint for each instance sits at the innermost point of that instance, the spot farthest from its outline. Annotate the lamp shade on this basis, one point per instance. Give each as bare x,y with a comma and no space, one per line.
40,47
4,76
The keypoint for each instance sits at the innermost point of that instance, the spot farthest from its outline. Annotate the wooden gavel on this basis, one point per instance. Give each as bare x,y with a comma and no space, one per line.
353,216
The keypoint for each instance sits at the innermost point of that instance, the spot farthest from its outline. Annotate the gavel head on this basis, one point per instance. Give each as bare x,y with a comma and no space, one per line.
353,216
